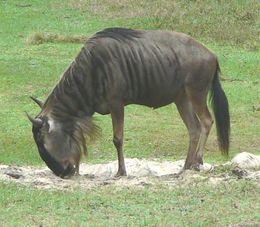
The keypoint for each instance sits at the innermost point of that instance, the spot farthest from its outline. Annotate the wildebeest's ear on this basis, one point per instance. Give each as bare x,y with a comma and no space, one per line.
35,121
39,102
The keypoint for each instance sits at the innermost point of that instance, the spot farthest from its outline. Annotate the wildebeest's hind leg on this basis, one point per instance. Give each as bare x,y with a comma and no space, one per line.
198,100
191,121
117,114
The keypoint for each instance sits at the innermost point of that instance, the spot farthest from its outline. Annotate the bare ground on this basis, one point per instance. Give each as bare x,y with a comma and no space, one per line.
141,173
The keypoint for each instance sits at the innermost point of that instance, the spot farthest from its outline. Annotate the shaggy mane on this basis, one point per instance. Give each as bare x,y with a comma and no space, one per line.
85,131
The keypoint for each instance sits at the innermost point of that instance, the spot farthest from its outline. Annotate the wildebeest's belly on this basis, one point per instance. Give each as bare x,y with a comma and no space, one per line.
152,95
157,96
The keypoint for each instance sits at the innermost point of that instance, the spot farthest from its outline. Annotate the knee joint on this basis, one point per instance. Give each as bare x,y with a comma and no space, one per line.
117,142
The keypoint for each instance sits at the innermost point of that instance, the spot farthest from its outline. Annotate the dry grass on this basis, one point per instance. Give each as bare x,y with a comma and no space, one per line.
41,37
234,22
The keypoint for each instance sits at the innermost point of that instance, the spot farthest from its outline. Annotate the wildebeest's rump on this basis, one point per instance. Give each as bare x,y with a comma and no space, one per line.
117,67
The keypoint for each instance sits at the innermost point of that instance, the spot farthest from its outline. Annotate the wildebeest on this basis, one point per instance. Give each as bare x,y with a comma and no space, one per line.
117,67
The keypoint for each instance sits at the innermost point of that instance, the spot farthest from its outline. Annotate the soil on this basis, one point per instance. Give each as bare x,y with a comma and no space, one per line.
141,173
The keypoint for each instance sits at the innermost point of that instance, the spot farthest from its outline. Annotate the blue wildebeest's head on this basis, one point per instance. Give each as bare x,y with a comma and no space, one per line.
59,142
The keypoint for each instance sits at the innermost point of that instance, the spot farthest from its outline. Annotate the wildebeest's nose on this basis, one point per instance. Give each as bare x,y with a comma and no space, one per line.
69,171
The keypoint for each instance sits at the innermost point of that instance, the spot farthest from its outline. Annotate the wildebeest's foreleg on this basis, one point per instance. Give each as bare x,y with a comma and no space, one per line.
117,114
77,162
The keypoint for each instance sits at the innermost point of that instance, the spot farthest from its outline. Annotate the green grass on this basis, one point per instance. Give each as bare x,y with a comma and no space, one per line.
230,29
204,205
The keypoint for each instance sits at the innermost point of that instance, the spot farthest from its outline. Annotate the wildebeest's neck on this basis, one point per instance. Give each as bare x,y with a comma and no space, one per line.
72,96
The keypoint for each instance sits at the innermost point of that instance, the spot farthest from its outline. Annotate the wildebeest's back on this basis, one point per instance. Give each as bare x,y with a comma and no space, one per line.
141,67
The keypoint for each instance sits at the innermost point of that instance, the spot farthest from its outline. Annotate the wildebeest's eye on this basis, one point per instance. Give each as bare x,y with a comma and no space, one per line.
46,126
38,135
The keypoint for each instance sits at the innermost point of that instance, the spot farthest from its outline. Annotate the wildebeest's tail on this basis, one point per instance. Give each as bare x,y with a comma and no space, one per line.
219,104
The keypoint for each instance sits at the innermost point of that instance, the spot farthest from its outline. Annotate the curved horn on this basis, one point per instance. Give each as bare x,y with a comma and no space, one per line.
36,122
39,102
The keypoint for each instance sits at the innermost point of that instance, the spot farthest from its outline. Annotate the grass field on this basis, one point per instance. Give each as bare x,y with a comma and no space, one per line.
109,206
39,39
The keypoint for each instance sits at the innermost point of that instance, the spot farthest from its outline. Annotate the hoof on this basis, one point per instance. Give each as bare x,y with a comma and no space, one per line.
193,163
193,166
121,174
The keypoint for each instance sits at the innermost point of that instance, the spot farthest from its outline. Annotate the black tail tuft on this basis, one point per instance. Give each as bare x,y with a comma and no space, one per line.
219,104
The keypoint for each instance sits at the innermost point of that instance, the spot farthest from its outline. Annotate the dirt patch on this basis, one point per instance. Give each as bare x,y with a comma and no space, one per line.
141,173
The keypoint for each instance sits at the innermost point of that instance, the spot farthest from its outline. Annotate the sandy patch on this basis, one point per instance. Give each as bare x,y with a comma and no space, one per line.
141,173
